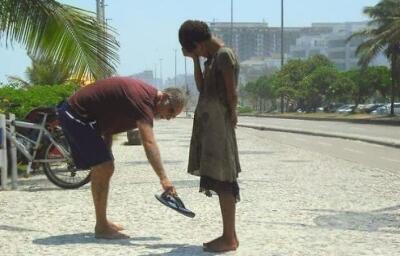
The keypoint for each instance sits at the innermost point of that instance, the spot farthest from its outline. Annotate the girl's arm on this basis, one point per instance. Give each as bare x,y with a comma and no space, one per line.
230,86
198,74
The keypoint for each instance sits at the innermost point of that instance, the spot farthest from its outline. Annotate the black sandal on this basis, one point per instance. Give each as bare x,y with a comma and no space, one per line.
175,203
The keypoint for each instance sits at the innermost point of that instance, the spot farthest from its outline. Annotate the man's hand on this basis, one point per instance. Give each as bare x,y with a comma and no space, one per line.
167,186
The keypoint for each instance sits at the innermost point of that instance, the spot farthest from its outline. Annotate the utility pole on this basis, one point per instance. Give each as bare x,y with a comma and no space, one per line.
155,75
232,24
100,11
282,51
187,89
100,14
175,68
161,77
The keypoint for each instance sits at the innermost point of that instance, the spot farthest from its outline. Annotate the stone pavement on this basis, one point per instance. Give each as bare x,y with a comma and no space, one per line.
294,202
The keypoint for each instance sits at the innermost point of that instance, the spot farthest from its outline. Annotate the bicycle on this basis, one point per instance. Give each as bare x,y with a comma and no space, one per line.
44,144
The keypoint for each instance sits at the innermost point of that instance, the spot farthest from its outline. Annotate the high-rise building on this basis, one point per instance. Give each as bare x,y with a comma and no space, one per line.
335,45
247,40
256,39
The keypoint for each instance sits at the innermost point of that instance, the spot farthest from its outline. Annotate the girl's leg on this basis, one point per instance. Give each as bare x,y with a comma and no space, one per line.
228,241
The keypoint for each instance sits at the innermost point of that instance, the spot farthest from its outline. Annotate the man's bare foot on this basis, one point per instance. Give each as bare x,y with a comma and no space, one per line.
108,232
115,226
221,244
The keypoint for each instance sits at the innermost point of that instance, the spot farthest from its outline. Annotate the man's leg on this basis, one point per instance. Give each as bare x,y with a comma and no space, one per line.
228,241
100,179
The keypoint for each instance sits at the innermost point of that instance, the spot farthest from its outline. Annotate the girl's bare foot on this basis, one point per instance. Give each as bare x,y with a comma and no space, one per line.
115,226
108,232
221,244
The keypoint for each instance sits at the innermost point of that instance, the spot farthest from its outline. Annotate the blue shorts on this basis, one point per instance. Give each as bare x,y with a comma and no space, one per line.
87,146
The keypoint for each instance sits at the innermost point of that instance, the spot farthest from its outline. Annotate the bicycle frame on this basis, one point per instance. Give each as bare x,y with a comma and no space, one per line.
43,132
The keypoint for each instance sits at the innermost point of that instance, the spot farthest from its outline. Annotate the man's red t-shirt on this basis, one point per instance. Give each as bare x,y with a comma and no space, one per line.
116,103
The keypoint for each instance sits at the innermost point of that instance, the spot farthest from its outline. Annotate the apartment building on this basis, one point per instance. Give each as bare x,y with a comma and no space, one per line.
335,45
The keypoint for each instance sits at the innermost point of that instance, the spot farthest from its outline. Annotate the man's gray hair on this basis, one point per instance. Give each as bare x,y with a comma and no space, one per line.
176,96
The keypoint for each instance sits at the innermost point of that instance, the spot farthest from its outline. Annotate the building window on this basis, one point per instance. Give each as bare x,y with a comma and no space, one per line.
337,55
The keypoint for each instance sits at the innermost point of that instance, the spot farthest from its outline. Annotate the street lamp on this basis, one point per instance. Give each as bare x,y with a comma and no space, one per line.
232,23
100,15
155,75
175,67
187,90
282,52
161,77
100,11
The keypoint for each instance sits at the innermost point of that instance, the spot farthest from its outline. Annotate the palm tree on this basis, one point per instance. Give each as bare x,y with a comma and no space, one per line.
382,34
44,72
60,34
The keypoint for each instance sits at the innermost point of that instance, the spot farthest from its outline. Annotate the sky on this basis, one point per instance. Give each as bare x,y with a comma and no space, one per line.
147,29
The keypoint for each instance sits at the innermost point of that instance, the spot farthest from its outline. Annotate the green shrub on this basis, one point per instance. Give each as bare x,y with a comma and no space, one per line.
243,110
22,100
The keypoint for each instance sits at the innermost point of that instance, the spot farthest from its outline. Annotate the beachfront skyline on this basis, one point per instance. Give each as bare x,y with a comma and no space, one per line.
148,29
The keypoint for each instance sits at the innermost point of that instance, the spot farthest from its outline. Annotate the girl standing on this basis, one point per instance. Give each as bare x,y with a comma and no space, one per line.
213,149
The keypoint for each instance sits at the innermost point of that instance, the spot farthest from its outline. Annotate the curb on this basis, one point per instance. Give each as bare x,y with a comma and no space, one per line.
381,141
358,121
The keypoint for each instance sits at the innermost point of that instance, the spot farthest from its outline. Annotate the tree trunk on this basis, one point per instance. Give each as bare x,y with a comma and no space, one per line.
394,82
263,109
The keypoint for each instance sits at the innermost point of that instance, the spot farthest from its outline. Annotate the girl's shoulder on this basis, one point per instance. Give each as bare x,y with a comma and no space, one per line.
226,57
225,50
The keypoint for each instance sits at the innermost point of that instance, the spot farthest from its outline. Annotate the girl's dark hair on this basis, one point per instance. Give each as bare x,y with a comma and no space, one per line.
193,31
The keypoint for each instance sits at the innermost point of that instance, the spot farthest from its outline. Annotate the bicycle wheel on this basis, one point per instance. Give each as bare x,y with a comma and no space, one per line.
63,173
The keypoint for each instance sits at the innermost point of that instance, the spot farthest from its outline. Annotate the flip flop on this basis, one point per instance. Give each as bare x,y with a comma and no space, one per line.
175,203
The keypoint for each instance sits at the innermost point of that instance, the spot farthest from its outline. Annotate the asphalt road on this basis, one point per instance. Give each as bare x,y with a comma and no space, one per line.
369,155
369,130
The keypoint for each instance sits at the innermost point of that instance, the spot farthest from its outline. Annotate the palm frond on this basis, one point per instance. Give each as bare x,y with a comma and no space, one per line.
369,49
360,34
60,33
394,30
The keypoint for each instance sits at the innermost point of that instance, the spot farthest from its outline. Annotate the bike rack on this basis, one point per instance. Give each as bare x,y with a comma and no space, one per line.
3,154
3,151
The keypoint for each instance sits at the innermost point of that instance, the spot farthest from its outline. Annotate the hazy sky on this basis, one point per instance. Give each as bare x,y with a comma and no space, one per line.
148,28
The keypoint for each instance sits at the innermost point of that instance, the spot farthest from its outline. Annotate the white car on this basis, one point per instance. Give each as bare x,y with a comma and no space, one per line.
385,110
346,109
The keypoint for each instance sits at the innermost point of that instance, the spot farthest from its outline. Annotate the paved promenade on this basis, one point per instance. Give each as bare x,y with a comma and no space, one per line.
294,202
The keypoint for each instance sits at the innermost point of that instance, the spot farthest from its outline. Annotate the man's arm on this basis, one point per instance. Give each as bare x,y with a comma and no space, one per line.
153,153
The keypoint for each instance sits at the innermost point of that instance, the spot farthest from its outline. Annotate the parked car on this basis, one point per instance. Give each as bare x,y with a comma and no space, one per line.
361,108
346,109
382,110
371,107
385,109
396,108
331,108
